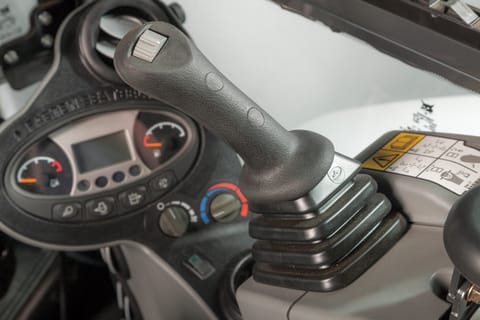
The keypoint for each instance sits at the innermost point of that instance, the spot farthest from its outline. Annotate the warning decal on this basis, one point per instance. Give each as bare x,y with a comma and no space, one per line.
381,160
403,142
392,151
444,161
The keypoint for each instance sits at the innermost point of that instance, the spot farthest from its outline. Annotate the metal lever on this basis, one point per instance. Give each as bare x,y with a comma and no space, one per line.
475,4
461,8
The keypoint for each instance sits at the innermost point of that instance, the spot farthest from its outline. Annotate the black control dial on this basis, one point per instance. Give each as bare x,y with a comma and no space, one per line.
174,221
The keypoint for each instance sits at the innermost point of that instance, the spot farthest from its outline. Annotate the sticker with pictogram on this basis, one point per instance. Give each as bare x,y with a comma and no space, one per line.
403,142
444,161
381,160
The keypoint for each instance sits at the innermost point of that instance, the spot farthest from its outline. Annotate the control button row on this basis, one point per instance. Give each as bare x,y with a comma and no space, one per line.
102,181
103,207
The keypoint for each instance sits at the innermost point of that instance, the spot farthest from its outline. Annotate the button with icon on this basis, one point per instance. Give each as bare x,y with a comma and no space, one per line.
67,211
100,208
163,183
133,197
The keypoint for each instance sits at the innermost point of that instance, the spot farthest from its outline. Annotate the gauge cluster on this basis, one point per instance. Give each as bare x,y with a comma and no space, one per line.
108,163
91,163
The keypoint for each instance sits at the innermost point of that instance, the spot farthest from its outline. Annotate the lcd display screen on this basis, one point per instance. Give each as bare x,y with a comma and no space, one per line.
101,152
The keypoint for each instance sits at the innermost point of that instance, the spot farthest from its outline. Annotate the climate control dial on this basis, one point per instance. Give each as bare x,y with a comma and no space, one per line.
223,202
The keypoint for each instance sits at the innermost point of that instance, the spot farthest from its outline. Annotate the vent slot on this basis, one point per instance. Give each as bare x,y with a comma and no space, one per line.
113,27
106,22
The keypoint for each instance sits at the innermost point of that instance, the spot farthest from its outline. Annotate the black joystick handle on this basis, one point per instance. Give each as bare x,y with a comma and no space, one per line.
284,172
160,61
461,235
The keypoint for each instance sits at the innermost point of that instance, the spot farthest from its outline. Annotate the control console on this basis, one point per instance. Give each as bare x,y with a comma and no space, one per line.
103,165
91,163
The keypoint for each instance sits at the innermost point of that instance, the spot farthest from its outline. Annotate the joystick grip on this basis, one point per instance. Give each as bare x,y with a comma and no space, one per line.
162,62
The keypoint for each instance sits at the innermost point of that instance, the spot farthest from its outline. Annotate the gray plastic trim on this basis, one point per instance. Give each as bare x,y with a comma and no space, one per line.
261,301
160,291
422,202
341,170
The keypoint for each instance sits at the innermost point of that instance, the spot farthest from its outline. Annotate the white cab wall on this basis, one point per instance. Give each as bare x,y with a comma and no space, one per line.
308,76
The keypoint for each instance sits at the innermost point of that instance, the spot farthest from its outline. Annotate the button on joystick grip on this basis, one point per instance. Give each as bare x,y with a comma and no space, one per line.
162,62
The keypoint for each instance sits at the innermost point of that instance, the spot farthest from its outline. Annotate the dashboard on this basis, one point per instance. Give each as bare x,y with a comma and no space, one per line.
90,163
80,172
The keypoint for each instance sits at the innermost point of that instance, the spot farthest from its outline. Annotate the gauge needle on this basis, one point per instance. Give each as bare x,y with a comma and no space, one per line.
150,144
28,180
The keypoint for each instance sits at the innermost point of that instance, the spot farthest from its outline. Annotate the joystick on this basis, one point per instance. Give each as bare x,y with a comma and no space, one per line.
320,223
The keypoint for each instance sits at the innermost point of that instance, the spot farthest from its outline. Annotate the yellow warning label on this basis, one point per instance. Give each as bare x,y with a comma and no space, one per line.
392,151
382,159
403,142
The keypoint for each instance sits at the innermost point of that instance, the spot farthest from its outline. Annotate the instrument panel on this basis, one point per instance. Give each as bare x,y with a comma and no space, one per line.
91,163
81,171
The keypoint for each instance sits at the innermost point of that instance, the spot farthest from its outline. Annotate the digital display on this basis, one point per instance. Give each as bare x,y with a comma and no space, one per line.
101,152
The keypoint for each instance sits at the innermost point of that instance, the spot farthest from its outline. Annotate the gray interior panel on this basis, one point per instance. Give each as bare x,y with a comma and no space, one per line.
421,201
159,291
260,301
396,287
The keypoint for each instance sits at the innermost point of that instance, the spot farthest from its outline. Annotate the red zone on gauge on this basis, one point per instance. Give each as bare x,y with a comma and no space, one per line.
30,180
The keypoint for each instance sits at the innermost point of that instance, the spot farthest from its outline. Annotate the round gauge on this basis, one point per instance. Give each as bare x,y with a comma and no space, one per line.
164,135
159,138
44,169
